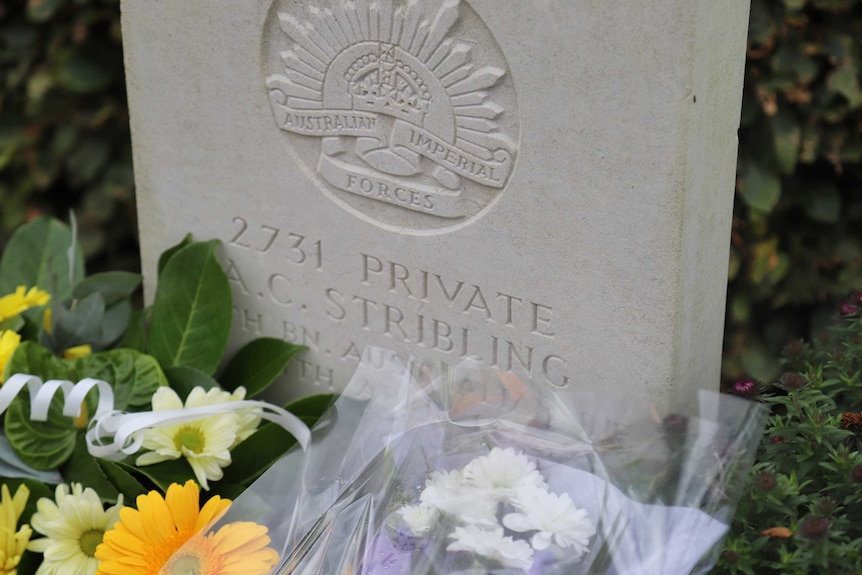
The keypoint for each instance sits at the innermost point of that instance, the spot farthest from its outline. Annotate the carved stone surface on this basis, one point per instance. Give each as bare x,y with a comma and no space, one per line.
394,110
545,185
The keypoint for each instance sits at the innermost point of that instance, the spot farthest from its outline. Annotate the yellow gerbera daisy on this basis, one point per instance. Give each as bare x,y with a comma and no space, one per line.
22,300
146,540
9,341
12,542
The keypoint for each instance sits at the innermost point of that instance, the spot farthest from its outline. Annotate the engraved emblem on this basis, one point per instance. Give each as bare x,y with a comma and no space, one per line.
401,111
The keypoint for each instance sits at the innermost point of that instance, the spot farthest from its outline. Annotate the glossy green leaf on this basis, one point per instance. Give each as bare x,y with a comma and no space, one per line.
311,405
169,253
253,456
162,474
183,379
37,255
134,376
192,310
256,365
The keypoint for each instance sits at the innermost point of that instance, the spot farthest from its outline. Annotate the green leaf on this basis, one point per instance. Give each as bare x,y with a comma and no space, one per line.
136,333
122,480
183,379
312,406
114,324
31,358
825,204
759,187
253,456
83,468
169,253
787,136
257,364
83,73
134,376
79,325
192,310
37,255
114,286
164,473
12,324
40,444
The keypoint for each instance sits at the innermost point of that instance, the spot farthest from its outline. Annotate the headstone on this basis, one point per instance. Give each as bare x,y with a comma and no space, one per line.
544,185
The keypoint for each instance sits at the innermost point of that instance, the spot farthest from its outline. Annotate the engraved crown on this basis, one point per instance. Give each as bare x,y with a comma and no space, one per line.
380,82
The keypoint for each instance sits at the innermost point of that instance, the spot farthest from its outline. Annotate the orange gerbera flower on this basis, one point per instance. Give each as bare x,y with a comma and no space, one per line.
146,541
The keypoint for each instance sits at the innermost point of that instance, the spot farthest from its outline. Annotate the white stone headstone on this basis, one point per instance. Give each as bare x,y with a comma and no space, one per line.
544,184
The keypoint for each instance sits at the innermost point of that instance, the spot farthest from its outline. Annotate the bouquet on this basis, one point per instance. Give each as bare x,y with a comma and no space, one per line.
423,468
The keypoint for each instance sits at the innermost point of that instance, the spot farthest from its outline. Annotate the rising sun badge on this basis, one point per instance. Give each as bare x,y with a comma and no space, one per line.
401,111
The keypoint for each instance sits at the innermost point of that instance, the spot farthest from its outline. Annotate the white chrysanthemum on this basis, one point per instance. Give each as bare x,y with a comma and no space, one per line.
493,545
419,518
554,517
503,472
447,492
205,443
248,421
73,527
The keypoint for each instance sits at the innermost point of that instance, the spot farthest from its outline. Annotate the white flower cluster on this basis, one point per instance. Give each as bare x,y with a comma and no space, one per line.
501,489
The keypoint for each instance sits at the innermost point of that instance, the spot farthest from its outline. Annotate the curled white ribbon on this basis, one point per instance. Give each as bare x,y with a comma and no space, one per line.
114,434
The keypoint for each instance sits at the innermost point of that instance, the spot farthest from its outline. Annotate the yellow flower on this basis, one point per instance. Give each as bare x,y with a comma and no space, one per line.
22,300
12,542
146,540
9,341
78,351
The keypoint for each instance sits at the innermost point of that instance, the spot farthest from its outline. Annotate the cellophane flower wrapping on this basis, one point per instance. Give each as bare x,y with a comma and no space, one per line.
424,468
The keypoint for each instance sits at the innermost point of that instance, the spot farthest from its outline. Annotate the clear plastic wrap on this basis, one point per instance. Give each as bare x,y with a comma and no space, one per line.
422,468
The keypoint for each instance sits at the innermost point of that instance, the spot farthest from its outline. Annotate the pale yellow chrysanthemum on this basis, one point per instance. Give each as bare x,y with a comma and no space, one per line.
13,541
205,443
73,528
164,536
22,300
9,341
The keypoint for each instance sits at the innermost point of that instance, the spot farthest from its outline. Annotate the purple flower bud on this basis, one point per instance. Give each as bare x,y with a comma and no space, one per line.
792,380
747,388
814,526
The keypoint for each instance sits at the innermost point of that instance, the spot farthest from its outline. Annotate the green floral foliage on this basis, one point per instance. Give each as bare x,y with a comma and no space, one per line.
64,129
800,512
797,232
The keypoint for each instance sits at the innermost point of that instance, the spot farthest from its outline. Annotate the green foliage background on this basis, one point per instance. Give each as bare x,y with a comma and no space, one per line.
796,243
64,124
